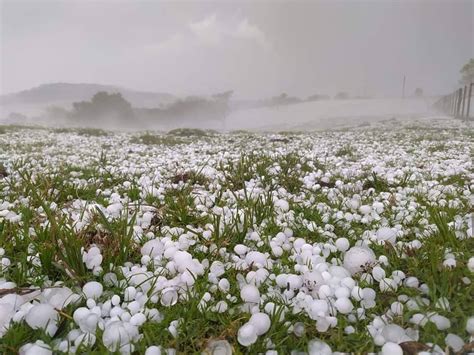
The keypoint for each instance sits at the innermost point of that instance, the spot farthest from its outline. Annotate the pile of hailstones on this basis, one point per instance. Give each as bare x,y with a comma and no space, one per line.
322,291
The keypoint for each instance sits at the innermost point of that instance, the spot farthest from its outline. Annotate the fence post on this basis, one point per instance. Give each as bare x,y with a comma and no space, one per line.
453,109
463,101
458,106
469,100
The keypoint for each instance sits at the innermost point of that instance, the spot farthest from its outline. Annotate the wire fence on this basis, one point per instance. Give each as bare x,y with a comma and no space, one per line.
457,104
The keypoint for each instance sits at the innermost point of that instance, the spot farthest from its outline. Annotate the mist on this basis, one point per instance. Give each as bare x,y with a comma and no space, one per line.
372,52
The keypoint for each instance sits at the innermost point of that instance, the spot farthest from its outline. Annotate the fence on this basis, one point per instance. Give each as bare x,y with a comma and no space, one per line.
456,104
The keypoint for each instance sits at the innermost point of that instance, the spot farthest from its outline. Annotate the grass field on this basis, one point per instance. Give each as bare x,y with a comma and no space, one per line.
358,240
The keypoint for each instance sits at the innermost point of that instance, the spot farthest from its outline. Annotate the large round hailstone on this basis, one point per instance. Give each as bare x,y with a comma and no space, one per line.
344,305
255,257
43,316
93,289
387,235
342,244
6,314
318,347
390,348
282,205
247,335
395,334
454,341
470,326
60,297
169,297
37,348
152,248
219,347
250,294
118,335
261,322
317,308
356,258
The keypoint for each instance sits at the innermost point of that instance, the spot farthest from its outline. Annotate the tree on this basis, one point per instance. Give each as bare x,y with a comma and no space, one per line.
342,95
103,105
418,92
467,73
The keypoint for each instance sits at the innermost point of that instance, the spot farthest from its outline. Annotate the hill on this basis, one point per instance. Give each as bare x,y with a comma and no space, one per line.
63,94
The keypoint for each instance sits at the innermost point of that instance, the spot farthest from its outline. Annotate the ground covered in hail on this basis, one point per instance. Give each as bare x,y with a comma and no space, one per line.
358,240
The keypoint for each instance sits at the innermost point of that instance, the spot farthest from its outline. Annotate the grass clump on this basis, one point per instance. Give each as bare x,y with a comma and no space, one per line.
91,132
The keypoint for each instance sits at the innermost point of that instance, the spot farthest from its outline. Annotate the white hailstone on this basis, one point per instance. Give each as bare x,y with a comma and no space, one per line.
294,281
240,249
453,341
470,325
153,248
224,285
318,347
383,260
115,300
397,308
247,335
217,268
153,350
357,257
365,209
342,292
255,257
349,329
298,329
138,319
441,322
386,234
85,339
470,264
282,205
394,333
261,322
387,284
60,297
92,258
342,244
93,289
250,294
119,335
344,305
218,347
221,307
37,348
412,282
449,263
169,297
43,316
378,273
391,349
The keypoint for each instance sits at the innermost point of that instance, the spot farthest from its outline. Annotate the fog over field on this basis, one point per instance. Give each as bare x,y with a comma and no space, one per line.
55,53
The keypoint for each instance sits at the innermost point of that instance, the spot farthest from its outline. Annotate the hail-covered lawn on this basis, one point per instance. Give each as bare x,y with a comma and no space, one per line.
191,242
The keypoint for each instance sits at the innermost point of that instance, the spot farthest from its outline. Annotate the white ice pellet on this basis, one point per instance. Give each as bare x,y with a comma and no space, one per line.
356,258
247,335
261,322
93,289
391,349
250,293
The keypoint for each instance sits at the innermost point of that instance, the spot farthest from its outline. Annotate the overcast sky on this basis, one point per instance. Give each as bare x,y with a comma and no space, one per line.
256,48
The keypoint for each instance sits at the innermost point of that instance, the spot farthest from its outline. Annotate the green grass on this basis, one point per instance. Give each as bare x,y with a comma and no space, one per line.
243,165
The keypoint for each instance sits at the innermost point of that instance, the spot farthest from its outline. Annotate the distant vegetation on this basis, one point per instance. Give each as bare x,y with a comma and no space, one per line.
105,109
467,72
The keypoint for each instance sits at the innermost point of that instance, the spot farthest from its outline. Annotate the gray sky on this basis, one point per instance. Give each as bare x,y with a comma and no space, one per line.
256,48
